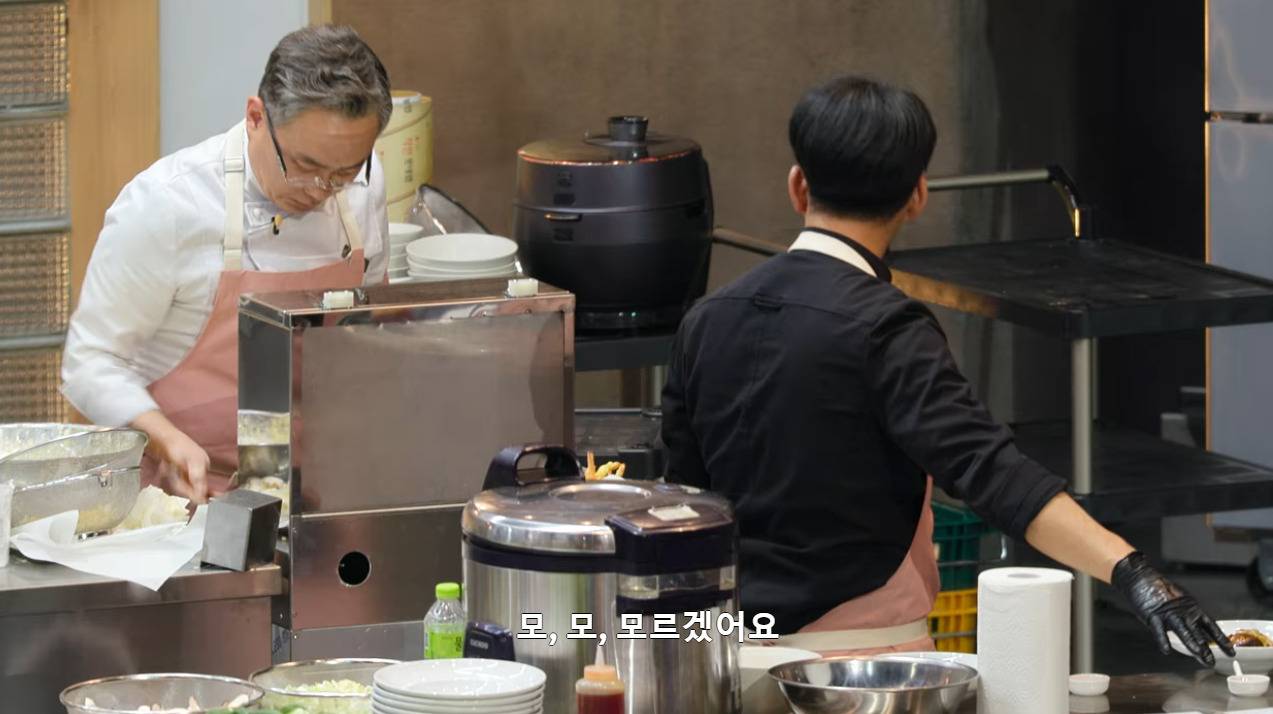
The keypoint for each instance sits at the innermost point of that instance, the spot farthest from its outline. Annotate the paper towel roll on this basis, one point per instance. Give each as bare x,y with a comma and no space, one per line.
1023,641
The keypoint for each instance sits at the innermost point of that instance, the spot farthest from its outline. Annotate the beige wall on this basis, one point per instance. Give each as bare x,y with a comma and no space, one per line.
726,73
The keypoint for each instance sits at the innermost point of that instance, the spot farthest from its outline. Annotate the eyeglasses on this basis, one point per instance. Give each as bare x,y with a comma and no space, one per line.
336,181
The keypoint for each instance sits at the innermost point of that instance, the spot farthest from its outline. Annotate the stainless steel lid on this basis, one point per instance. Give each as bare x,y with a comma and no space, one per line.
626,140
566,515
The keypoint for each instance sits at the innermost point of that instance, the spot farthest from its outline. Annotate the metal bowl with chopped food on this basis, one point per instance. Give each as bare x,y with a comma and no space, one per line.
171,693
326,686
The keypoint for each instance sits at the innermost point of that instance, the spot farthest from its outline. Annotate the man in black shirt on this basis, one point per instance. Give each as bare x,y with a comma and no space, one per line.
817,398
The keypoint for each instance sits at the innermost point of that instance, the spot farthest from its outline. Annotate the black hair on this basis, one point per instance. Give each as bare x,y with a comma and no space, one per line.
862,145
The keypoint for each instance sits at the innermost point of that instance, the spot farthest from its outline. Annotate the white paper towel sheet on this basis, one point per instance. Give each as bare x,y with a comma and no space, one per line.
1023,641
147,556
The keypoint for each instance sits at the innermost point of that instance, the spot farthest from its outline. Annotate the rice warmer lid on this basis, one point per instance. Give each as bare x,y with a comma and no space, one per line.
626,169
626,140
637,523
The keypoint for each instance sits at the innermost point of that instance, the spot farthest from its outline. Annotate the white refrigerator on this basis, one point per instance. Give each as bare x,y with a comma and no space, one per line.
1239,140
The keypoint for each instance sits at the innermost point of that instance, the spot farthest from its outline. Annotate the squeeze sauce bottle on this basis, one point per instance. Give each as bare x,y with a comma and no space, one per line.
600,691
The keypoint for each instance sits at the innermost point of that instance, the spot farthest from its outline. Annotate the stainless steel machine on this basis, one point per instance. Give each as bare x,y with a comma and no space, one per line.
385,407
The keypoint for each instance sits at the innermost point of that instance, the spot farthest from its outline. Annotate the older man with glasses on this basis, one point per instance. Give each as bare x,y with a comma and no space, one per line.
290,198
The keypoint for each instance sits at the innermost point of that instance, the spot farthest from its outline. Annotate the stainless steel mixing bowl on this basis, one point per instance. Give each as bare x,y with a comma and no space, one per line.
280,682
63,467
864,685
120,695
37,453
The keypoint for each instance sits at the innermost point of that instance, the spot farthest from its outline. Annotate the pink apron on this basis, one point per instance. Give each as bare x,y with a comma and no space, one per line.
892,618
200,396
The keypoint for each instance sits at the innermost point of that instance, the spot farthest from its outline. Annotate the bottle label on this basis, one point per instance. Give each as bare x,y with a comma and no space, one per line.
444,645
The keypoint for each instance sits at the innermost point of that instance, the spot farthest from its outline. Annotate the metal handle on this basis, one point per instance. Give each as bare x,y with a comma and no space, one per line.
560,463
1080,213
734,239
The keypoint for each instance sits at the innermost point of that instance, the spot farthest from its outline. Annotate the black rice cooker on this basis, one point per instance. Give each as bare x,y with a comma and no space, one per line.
623,220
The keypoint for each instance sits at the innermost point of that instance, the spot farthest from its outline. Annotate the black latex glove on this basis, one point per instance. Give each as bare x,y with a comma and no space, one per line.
1162,605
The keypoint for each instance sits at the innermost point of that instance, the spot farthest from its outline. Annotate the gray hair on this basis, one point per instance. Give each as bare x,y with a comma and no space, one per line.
327,67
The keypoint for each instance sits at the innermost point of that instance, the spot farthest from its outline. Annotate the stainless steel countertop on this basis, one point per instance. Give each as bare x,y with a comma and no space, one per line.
1146,693
33,588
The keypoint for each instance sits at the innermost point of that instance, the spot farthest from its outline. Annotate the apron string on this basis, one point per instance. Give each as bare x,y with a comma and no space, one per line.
233,163
352,231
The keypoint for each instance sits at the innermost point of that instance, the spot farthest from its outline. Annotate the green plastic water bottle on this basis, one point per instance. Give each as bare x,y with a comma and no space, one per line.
445,623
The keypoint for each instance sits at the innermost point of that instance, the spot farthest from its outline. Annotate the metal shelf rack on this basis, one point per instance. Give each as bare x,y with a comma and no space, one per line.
1082,289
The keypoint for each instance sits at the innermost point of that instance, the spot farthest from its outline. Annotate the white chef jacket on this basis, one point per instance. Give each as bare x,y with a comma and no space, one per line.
154,271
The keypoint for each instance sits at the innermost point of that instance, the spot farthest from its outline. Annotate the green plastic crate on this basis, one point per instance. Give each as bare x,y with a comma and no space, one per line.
957,535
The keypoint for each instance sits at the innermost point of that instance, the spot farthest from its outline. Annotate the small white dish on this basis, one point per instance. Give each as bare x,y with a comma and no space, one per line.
1089,685
1248,685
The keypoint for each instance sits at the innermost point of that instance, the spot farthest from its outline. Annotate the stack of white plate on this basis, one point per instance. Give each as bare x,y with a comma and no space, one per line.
461,256
400,234
458,686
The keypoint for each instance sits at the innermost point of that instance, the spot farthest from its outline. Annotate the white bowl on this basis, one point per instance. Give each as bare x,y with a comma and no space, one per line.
434,275
459,250
404,232
460,267
1248,685
1089,685
1255,660
431,274
424,279
380,703
403,700
454,275
385,708
460,679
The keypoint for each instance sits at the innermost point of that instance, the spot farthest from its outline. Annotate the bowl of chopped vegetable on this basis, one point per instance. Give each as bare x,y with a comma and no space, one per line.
169,693
322,686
